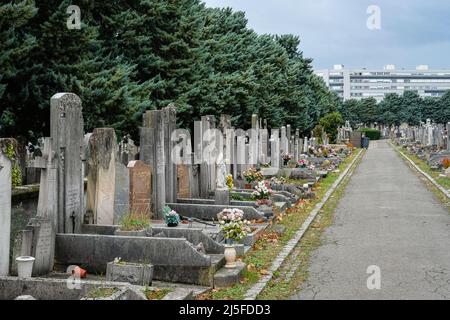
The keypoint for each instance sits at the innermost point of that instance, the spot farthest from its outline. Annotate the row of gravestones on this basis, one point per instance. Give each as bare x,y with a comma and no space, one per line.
430,135
144,185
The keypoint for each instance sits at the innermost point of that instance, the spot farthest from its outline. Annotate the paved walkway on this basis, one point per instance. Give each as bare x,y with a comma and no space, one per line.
386,218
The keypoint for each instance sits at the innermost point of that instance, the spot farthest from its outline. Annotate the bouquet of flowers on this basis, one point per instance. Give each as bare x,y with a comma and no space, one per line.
171,217
233,225
252,175
229,181
262,191
312,167
303,163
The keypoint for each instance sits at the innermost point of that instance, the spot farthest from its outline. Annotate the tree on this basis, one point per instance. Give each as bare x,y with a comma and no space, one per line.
330,123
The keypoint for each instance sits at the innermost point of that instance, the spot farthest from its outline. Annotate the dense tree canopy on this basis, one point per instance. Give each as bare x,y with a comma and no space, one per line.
397,109
135,55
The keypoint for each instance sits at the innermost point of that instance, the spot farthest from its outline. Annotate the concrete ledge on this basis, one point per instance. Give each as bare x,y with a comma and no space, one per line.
175,260
228,277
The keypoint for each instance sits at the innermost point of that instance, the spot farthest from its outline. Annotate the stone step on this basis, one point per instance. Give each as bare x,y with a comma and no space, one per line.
228,277
217,262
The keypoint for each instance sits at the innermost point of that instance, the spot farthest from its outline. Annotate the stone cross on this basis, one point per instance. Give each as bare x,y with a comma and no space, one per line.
67,132
5,213
101,176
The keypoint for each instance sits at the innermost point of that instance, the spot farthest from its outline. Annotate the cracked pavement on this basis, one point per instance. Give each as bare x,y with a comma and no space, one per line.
387,218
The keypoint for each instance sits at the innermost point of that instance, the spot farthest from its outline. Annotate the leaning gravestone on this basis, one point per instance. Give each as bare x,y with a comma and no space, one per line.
67,132
101,176
5,213
43,245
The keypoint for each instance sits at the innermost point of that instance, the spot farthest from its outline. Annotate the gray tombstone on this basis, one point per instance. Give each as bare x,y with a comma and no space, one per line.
67,132
169,126
121,193
5,213
101,176
153,154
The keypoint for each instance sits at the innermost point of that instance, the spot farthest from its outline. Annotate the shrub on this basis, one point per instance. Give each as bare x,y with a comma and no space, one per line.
330,123
372,134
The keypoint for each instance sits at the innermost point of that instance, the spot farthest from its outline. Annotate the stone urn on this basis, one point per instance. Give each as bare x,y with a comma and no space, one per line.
230,256
25,266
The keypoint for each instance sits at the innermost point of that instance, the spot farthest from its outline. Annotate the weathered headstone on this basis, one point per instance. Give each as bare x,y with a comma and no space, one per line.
184,181
122,192
67,132
209,153
41,229
43,245
5,213
140,188
102,175
275,155
152,152
170,125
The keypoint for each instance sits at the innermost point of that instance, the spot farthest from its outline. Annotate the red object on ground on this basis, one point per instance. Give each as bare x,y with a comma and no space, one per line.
79,272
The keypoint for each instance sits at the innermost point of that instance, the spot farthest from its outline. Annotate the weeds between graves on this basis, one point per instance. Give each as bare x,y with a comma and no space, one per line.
134,222
156,294
271,243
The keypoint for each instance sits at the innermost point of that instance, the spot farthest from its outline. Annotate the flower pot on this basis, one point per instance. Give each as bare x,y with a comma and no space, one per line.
248,186
25,266
230,256
79,273
172,224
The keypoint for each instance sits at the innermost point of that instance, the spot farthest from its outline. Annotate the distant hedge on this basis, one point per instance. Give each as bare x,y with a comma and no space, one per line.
372,134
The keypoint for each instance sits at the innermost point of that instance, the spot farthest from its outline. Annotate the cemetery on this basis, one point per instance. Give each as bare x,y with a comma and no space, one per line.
429,146
116,219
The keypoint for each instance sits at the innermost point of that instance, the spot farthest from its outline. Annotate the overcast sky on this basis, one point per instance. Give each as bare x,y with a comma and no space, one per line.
413,32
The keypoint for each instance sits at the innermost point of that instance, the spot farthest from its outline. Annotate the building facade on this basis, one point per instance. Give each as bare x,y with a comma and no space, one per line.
365,83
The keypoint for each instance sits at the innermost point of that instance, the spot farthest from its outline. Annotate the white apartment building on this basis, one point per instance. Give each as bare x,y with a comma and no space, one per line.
365,83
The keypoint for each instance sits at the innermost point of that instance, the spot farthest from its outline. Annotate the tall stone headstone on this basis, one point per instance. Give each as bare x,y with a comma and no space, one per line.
209,153
102,175
275,152
122,192
184,181
140,188
5,213
38,238
152,152
170,125
67,132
